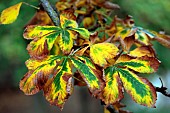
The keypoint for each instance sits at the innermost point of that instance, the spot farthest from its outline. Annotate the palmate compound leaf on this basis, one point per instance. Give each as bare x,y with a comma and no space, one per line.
141,90
58,88
89,74
10,14
102,52
44,37
39,71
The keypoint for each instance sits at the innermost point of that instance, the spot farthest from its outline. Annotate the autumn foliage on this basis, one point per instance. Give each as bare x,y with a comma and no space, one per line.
90,47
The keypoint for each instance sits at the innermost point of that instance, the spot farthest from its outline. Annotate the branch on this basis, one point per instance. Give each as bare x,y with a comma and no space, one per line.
54,15
162,89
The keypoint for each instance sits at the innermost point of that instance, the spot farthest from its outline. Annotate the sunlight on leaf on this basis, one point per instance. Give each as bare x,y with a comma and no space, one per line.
102,52
10,14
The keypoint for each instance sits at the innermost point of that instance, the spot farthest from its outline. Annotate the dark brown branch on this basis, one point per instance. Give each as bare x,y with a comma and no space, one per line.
162,89
54,15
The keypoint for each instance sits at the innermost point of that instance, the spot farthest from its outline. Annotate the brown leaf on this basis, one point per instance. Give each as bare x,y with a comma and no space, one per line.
127,43
40,18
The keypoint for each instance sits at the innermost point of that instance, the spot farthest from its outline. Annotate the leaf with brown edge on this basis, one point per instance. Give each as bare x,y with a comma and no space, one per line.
102,52
143,51
154,62
41,47
59,88
142,65
39,71
10,14
112,92
140,89
89,74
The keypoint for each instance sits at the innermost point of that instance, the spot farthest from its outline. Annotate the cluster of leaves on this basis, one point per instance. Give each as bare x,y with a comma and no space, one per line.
89,48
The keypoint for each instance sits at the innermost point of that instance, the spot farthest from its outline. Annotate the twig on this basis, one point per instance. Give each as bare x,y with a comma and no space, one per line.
55,17
31,5
162,89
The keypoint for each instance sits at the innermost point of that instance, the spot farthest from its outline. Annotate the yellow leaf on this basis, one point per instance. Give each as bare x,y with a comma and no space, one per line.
103,52
143,51
10,14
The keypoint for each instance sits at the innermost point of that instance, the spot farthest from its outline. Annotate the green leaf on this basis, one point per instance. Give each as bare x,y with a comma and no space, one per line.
88,73
82,31
140,89
66,41
58,88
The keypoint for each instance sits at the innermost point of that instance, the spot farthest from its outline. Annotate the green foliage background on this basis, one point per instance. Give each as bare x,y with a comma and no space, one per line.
150,14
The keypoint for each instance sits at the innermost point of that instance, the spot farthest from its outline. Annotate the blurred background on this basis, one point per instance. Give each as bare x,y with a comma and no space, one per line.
149,14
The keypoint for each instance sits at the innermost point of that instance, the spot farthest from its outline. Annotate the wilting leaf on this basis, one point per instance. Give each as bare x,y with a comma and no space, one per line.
141,90
58,88
102,52
40,18
88,73
162,38
127,43
39,71
10,14
143,51
113,90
